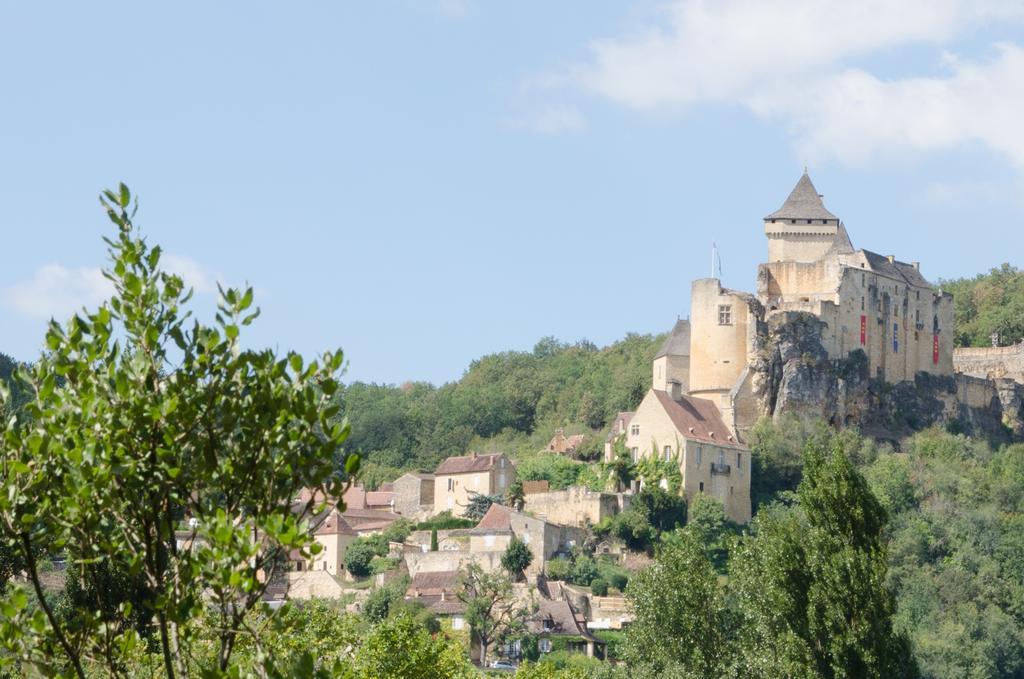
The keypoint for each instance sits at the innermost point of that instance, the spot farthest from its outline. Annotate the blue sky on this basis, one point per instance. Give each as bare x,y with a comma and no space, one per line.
424,182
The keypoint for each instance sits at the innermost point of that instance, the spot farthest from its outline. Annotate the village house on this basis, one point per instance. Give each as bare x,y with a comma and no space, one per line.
573,506
557,626
457,478
619,426
438,591
382,499
496,529
566,445
413,494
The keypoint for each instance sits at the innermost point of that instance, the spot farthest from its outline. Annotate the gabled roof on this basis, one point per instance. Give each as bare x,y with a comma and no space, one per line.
895,269
560,619
697,419
437,591
332,524
678,341
467,463
804,202
498,519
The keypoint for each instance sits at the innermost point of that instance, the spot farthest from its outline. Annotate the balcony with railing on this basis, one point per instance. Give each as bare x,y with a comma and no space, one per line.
720,468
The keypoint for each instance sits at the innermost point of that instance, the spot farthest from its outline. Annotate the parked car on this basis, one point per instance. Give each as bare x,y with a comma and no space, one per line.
502,665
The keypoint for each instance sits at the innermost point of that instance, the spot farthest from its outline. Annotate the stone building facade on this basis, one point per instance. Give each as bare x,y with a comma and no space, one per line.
456,478
413,494
574,506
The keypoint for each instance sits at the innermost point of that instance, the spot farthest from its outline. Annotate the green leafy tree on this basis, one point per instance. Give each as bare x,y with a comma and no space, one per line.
433,539
140,416
599,587
681,621
621,468
399,647
811,582
707,519
517,558
358,557
492,610
479,504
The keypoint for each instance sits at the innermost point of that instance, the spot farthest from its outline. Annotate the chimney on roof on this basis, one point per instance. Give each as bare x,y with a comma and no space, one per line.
891,258
916,265
676,390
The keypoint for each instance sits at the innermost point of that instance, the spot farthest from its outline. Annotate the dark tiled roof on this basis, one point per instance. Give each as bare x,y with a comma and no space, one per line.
332,524
697,419
560,619
895,269
437,591
467,463
804,202
678,341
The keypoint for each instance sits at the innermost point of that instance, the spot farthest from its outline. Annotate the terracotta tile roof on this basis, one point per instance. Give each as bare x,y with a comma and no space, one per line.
354,498
370,526
620,424
467,463
379,498
437,591
697,419
531,487
386,487
332,524
498,519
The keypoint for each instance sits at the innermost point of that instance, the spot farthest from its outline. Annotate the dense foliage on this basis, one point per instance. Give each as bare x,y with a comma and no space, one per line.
513,394
986,304
140,416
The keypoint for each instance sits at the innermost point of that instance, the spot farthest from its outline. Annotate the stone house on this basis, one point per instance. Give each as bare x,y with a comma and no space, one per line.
558,625
495,530
619,427
456,478
690,432
357,497
566,445
413,494
334,534
438,591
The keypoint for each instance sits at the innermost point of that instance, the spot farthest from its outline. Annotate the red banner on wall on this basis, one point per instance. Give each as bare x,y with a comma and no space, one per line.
935,349
863,329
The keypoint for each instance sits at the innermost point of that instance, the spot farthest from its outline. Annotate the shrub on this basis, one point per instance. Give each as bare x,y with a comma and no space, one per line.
517,558
584,570
619,581
598,587
382,564
559,568
358,557
444,521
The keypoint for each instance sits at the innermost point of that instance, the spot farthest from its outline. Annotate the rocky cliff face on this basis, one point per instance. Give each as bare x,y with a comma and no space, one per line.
792,373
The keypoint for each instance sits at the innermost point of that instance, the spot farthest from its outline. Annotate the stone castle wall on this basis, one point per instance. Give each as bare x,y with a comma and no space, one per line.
991,362
574,506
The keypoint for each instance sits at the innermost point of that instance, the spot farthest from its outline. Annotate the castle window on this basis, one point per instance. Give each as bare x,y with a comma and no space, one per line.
808,221
862,304
918,293
700,451
724,314
792,221
863,279
739,461
701,487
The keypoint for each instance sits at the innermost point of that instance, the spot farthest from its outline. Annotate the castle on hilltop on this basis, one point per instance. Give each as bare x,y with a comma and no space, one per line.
872,311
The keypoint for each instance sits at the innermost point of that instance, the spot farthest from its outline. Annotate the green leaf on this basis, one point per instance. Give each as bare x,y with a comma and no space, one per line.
125,197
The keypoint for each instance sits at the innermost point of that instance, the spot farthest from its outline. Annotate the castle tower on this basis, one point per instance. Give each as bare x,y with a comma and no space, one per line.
802,230
672,364
721,339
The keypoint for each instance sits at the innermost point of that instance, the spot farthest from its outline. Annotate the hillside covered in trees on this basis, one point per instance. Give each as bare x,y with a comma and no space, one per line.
988,303
517,398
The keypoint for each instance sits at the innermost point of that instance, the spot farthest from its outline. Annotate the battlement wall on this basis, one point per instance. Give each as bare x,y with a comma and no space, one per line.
991,362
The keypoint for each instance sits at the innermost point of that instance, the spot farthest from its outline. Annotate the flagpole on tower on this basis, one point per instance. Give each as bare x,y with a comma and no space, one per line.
714,255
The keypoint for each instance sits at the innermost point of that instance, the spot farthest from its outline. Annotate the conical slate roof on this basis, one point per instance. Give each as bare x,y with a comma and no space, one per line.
678,341
803,203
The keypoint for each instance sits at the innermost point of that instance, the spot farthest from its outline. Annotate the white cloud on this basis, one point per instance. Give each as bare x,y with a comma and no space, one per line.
796,61
552,120
453,8
190,271
55,291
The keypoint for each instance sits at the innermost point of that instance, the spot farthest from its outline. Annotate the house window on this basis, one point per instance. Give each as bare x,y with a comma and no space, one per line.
635,430
451,485
700,454
668,453
739,461
724,314
489,540
918,293
501,480
863,279
700,488
862,304
526,538
544,645
636,453
458,622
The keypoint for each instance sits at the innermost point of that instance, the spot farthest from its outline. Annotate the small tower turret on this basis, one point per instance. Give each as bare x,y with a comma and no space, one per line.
802,230
672,364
